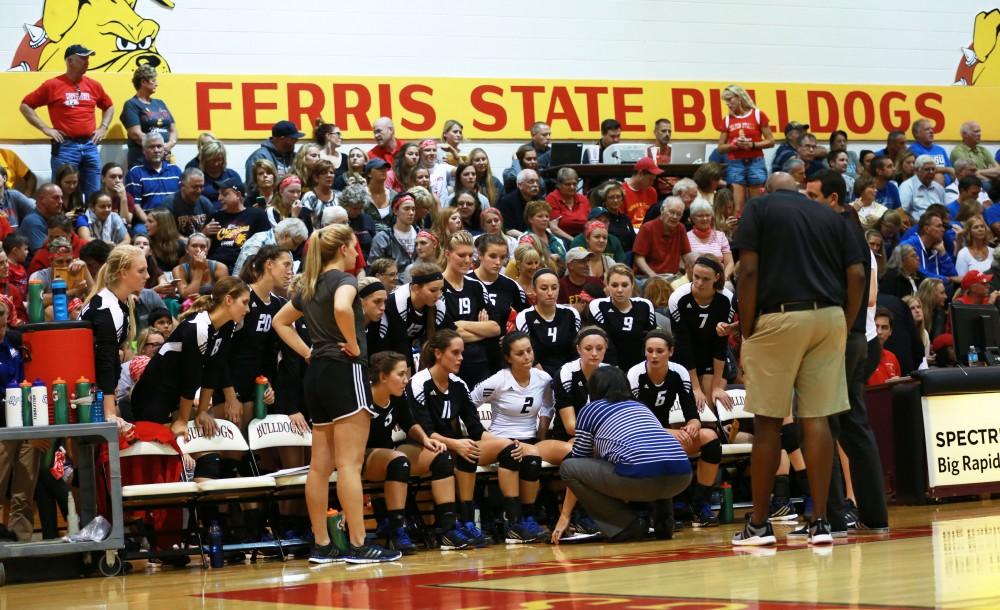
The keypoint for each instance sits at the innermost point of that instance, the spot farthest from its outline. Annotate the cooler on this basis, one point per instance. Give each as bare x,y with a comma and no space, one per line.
58,349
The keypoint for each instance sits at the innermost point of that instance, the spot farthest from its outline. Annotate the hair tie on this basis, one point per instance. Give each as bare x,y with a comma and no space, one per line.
591,330
539,273
371,288
711,264
428,235
400,198
426,278
289,179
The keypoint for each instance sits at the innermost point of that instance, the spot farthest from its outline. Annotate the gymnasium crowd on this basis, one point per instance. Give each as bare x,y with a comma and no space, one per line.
481,282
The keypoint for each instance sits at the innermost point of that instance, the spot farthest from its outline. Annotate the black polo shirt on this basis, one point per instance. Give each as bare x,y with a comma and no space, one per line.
803,247
858,235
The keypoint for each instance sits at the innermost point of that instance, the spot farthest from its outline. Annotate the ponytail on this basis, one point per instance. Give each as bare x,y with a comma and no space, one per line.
229,286
324,245
120,260
439,341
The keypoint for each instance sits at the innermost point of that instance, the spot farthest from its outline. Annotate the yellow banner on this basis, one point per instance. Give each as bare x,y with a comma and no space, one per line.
245,106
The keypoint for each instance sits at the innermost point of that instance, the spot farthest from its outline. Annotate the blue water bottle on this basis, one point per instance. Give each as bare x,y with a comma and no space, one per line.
216,557
60,304
97,409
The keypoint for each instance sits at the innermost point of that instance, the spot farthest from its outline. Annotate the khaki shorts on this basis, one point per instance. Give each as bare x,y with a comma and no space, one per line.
801,351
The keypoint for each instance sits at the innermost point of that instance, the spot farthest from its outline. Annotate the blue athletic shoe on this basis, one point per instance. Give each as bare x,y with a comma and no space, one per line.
370,553
327,553
473,534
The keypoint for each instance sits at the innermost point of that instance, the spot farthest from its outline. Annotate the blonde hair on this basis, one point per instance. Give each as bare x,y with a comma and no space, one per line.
229,286
140,342
658,290
119,261
299,164
488,187
524,252
458,238
741,94
424,199
324,246
927,294
909,300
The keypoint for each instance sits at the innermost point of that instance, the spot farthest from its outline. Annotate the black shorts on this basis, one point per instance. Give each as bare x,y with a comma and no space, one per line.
334,389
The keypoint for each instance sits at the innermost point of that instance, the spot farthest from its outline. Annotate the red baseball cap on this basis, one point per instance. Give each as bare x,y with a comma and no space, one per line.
975,277
646,164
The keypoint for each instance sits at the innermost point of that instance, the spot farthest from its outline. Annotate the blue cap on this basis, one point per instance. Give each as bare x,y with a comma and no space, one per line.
77,49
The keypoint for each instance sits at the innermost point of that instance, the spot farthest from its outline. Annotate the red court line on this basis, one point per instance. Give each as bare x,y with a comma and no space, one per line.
443,590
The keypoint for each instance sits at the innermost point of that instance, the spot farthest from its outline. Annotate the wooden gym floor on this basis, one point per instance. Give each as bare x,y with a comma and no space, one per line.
936,557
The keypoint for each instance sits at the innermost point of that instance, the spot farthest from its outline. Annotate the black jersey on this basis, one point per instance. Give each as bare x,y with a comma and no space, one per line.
552,339
626,331
289,372
570,391
405,325
377,335
386,420
694,329
466,305
508,299
440,412
675,388
194,356
109,321
254,348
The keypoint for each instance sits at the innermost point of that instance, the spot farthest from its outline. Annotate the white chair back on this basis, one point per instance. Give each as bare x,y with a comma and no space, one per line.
275,430
228,438
147,448
739,397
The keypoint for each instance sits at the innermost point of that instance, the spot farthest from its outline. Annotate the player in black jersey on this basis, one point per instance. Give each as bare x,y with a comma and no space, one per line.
373,295
659,384
506,295
394,461
469,305
193,357
571,383
414,311
552,327
336,387
253,350
110,313
625,318
701,316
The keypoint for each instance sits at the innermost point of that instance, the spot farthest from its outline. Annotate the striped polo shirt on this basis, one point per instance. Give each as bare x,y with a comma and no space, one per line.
151,188
628,435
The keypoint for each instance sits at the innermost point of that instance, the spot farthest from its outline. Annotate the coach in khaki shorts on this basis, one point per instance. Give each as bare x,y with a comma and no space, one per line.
800,285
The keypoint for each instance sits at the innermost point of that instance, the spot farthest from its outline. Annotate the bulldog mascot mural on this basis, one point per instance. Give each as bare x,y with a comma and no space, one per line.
121,39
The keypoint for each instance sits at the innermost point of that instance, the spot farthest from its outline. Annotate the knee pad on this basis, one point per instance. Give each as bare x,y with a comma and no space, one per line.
506,460
711,452
531,468
790,437
464,465
398,470
442,466
208,466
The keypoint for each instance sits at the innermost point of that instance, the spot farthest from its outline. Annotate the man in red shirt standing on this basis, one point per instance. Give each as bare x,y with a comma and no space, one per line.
386,145
71,99
662,245
639,191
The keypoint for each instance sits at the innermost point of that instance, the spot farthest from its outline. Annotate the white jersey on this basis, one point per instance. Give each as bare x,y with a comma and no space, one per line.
516,408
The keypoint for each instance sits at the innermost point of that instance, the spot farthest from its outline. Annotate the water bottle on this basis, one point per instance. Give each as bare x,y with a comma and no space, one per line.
215,554
83,410
726,508
26,419
335,525
60,401
36,308
60,304
39,404
973,356
259,408
72,518
12,405
97,408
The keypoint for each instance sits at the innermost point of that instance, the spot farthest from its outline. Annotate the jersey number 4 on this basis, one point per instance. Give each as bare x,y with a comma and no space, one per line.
553,333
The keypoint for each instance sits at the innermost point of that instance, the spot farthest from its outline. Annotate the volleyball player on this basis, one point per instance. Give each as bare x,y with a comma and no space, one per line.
658,383
336,388
551,327
373,298
439,400
470,307
191,358
394,463
506,296
571,385
624,317
414,311
110,311
521,400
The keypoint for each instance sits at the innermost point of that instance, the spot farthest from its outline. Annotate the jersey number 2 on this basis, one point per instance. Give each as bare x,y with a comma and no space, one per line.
528,401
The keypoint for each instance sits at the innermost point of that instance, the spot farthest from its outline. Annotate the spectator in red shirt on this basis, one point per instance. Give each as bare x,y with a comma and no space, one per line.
569,208
639,191
888,365
976,289
386,145
661,246
576,279
71,99
661,153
